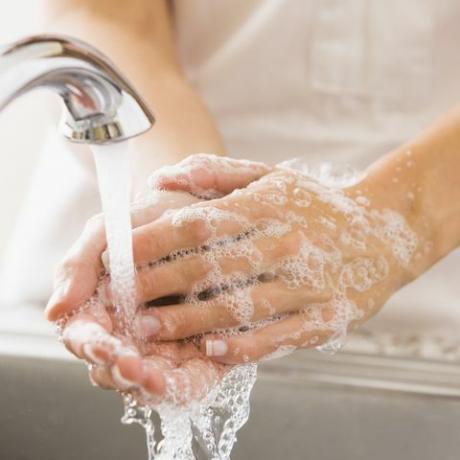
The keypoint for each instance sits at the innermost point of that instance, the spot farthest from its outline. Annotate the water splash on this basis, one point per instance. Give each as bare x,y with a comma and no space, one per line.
141,415
202,429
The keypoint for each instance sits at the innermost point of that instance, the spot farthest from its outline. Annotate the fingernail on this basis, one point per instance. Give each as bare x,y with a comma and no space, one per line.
89,353
121,382
216,348
148,326
56,298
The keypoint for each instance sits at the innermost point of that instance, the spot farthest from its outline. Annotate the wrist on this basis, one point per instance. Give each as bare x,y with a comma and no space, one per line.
421,181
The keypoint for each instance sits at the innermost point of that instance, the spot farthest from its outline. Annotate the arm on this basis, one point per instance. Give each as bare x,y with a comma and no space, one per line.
421,181
137,35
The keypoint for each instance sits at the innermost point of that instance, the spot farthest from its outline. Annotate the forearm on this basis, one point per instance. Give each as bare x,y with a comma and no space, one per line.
421,180
145,54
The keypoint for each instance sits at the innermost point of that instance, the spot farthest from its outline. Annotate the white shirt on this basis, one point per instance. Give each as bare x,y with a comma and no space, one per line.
331,78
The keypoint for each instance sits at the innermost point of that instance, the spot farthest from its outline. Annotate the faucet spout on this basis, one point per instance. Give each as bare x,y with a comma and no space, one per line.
101,106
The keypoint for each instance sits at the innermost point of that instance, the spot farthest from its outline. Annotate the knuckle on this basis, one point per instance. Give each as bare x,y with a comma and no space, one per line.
68,267
186,274
153,244
174,324
73,347
65,269
243,351
199,230
100,378
146,286
94,224
148,242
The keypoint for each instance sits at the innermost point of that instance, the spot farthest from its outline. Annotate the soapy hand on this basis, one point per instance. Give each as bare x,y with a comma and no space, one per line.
77,275
283,263
278,262
152,373
176,372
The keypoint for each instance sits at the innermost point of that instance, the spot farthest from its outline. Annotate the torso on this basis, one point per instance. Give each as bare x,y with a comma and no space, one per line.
327,79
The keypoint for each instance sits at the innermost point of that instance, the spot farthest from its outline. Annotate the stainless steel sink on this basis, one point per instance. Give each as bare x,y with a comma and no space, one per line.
351,406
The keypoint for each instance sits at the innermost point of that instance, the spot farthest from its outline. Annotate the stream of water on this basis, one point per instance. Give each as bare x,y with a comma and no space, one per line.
113,173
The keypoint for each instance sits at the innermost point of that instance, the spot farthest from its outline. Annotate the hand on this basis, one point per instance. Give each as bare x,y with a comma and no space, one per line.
77,276
281,264
173,372
90,332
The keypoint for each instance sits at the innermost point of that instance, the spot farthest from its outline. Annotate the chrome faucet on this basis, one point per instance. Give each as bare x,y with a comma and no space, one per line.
100,105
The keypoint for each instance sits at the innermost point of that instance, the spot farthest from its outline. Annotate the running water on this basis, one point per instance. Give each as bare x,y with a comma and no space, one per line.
113,173
205,427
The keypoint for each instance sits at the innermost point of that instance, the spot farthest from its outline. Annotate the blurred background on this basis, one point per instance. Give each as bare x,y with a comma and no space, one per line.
22,124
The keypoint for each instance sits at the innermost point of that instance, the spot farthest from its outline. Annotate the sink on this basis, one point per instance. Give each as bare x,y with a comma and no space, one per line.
351,406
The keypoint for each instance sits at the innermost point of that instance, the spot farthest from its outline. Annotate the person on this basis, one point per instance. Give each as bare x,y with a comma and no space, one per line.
335,78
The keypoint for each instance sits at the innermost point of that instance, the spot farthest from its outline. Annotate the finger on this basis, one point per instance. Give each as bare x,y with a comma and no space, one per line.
187,228
234,257
101,376
77,276
211,230
89,340
185,274
295,331
191,381
127,372
253,303
178,374
169,279
208,175
172,353
194,226
156,203
80,336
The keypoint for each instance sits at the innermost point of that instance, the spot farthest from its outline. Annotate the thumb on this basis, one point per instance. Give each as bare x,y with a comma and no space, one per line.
208,176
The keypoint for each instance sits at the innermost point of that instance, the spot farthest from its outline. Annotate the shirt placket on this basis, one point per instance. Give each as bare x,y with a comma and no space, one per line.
338,60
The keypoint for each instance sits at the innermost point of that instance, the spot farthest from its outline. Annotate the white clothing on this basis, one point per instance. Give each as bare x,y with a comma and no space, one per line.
342,78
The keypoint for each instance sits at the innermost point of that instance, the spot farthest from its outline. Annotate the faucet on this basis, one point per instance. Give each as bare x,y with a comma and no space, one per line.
100,105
